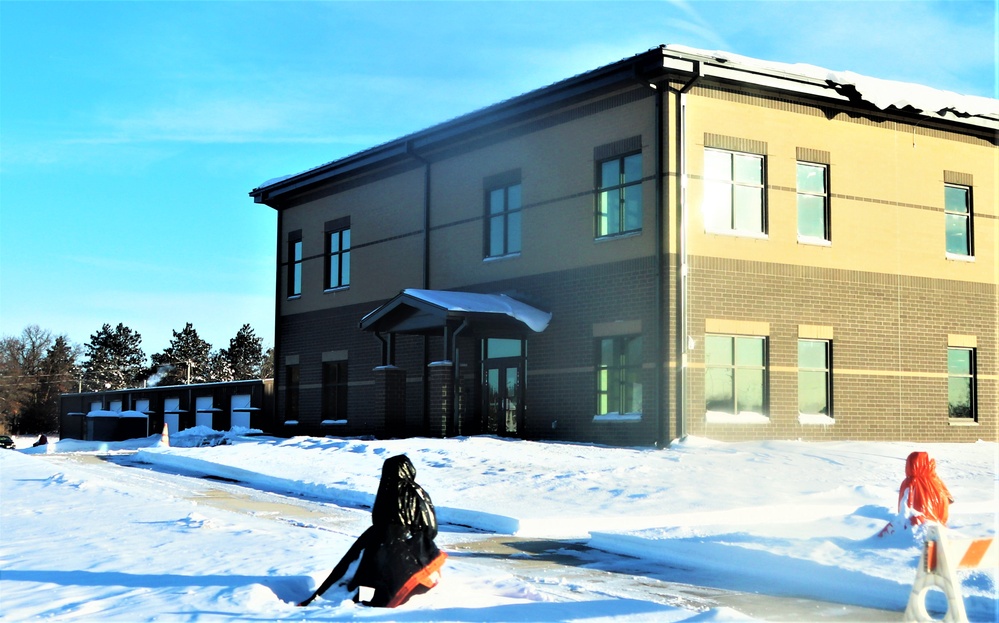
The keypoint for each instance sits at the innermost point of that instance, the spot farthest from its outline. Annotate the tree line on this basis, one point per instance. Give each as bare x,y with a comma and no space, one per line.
37,366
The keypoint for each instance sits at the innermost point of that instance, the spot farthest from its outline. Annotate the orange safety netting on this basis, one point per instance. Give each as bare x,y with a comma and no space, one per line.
923,491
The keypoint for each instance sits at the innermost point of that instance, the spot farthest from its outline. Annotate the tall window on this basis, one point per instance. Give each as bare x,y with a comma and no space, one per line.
735,374
734,192
814,377
334,390
813,201
619,375
338,258
619,200
295,263
291,392
957,212
961,383
503,220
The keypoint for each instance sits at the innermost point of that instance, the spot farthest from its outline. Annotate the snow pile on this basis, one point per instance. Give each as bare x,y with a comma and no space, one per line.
792,519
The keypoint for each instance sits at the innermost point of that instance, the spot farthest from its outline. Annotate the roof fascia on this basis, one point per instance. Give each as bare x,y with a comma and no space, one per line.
535,102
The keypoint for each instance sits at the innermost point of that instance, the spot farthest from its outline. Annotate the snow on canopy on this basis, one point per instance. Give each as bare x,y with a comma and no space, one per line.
881,93
473,302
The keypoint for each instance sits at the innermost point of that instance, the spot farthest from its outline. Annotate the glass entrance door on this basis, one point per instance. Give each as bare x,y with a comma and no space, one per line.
503,377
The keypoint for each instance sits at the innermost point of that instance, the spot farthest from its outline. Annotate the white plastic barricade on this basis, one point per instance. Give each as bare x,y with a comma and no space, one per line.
938,565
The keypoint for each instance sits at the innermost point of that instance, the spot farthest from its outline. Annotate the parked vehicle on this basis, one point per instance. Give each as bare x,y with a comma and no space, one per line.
6,442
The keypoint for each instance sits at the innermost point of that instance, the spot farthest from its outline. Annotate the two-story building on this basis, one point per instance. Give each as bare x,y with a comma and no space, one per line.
682,242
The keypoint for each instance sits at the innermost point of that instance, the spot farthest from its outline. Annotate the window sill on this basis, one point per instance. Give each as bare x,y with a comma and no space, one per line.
738,234
960,258
336,289
618,417
500,258
625,234
815,419
962,422
294,297
716,417
333,423
291,422
815,242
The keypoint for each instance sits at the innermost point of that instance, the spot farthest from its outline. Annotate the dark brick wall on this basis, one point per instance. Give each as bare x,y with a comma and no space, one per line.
889,348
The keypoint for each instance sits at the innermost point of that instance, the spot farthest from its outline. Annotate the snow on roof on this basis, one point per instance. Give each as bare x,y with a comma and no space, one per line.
882,93
473,302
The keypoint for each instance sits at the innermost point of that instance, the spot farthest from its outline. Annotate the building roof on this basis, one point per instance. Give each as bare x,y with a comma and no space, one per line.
841,88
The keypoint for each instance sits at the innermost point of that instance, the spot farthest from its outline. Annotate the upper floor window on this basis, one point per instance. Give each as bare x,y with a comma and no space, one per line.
337,254
619,199
734,192
619,380
957,213
503,215
961,383
295,263
735,374
815,377
813,202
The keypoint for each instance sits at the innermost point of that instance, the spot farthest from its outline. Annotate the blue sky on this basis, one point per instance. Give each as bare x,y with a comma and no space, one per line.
131,132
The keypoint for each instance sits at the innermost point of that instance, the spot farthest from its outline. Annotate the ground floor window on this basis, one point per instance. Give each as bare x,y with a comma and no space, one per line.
735,375
961,383
619,380
814,378
334,390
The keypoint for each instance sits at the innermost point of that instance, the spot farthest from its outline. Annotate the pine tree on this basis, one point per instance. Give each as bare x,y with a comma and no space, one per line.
245,354
219,370
58,374
186,360
114,359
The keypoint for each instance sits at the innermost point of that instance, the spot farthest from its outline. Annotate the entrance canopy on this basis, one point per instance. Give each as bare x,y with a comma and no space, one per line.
425,312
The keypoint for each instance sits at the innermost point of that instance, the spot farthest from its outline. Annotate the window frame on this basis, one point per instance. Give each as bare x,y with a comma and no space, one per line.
967,215
503,183
337,258
828,377
734,185
971,376
826,237
621,373
735,367
622,185
296,256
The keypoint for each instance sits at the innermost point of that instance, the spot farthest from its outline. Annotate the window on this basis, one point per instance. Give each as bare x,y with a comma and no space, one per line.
961,383
503,220
735,374
619,200
814,377
334,390
733,192
813,201
295,263
619,382
337,258
957,213
291,392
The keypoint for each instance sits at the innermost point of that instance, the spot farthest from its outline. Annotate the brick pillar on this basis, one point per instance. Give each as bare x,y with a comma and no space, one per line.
390,401
440,407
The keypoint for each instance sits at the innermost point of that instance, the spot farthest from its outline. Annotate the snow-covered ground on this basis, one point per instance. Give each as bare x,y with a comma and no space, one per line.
89,542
